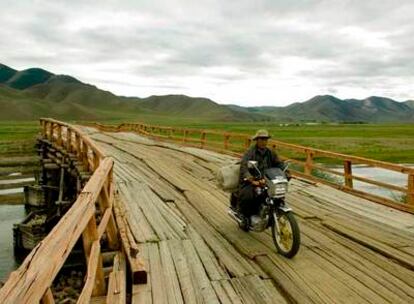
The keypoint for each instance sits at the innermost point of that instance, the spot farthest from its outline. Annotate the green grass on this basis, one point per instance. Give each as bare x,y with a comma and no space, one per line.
388,142
18,138
10,130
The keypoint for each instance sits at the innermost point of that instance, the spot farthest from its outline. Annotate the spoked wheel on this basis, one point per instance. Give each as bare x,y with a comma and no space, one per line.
285,233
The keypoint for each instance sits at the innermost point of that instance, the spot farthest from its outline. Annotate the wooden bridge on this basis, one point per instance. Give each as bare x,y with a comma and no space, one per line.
149,196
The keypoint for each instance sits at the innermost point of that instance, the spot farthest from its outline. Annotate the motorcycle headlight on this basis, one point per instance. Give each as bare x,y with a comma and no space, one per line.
278,189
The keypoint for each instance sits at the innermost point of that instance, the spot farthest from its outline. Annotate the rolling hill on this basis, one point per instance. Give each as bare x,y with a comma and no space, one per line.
32,93
410,103
329,108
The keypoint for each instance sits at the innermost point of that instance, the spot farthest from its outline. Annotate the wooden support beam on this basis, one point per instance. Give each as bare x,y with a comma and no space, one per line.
106,202
48,297
51,166
104,222
89,235
108,257
94,280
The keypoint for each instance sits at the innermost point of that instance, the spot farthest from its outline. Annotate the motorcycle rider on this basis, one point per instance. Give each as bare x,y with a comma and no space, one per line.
247,201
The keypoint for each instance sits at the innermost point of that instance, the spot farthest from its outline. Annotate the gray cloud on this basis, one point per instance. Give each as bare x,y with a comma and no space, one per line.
345,47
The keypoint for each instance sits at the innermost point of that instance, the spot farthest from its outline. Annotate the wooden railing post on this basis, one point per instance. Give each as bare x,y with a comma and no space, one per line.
348,174
203,139
226,141
47,130
247,142
78,145
51,132
69,140
44,128
59,140
84,156
96,160
185,136
309,162
410,189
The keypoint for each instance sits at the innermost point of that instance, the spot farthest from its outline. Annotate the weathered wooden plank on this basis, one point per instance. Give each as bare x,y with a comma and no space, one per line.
172,286
187,282
199,274
158,286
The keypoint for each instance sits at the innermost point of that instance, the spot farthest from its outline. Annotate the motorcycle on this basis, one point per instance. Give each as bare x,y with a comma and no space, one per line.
273,211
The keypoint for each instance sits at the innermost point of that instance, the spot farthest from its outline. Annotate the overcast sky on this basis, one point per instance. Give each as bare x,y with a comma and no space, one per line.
242,52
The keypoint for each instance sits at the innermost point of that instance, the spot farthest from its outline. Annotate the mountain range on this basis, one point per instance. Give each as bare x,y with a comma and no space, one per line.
35,92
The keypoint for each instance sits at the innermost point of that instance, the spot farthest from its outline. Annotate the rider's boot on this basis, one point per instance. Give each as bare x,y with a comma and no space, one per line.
244,225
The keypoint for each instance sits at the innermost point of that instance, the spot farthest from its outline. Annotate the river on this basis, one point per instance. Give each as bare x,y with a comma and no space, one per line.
9,215
381,175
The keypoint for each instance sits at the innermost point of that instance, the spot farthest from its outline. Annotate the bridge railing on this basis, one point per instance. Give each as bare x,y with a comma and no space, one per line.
31,282
305,159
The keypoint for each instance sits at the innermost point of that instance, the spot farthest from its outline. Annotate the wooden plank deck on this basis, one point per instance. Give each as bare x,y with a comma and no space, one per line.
353,250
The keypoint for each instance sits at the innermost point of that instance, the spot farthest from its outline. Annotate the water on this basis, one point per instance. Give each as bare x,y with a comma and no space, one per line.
9,215
16,181
11,191
381,175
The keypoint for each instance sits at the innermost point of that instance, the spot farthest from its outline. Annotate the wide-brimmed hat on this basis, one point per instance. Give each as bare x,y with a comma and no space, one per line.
261,134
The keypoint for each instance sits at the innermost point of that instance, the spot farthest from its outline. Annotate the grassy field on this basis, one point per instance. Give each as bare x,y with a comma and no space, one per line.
18,138
388,142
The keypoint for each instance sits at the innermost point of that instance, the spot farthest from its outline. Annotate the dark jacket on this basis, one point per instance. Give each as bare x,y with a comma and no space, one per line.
266,158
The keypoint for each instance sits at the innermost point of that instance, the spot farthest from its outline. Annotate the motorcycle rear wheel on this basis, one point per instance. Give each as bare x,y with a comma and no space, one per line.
287,239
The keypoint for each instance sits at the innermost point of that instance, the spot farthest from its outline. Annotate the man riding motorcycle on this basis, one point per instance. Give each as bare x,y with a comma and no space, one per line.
246,199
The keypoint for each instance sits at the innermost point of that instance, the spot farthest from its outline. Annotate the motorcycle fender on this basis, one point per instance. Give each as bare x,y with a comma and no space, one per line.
285,208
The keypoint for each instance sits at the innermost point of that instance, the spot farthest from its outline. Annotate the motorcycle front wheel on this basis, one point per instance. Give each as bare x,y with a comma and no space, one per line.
285,233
